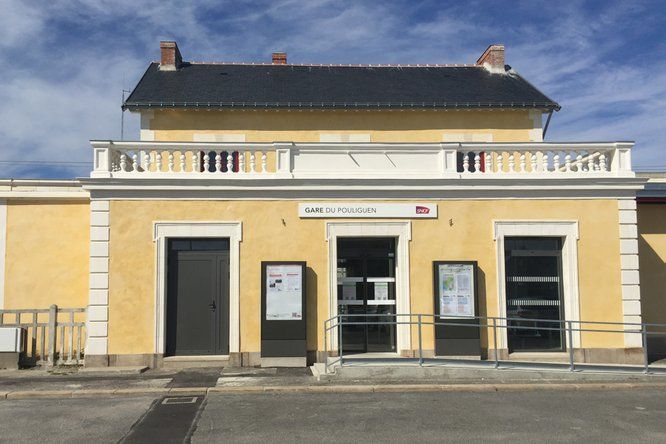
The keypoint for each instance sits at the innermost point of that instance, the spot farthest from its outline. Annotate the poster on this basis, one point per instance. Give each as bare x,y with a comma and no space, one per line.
284,292
456,290
381,291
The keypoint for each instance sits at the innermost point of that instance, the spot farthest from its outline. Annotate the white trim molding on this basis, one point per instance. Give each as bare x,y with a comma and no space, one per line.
3,250
162,230
631,290
98,279
565,229
402,231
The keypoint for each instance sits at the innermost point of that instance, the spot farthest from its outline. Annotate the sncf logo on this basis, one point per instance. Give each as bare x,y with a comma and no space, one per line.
422,210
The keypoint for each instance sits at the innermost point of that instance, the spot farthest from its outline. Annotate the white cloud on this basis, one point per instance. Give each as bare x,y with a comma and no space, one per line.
64,61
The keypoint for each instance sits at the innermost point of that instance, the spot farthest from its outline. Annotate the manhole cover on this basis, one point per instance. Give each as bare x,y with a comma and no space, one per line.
180,400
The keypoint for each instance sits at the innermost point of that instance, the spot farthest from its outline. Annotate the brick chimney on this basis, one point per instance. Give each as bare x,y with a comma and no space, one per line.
279,58
493,59
171,59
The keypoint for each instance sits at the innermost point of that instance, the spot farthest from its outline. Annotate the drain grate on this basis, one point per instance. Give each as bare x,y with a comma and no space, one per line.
181,400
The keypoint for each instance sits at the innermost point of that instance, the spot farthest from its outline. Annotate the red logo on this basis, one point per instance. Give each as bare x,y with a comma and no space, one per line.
422,210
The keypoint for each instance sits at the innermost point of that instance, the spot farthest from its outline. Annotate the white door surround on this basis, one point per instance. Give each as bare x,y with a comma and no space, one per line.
163,230
402,231
568,231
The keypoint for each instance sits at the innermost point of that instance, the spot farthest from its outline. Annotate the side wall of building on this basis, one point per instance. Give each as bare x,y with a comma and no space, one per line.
46,253
652,257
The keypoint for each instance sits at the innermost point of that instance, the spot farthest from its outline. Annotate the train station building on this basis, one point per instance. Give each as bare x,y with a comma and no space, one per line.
386,194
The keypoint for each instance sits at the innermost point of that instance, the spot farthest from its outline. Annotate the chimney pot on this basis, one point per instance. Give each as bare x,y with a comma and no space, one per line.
493,59
171,59
279,58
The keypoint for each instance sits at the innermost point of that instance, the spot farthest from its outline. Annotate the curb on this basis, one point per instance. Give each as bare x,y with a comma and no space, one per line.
473,388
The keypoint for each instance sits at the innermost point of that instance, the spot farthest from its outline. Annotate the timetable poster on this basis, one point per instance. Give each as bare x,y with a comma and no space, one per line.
284,292
456,290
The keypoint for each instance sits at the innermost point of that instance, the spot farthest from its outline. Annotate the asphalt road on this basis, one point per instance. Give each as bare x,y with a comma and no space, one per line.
527,416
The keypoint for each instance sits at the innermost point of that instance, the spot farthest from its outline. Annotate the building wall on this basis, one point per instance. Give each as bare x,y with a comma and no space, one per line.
46,259
272,230
652,262
343,126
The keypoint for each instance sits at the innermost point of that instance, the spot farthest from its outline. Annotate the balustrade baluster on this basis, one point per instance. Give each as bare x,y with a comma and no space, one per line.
590,162
252,163
545,156
533,161
512,163
500,163
170,162
206,163
556,163
123,162
579,163
522,163
146,161
182,161
567,163
241,161
230,162
135,162
602,162
195,161
477,163
218,162
465,163
264,164
488,166
158,162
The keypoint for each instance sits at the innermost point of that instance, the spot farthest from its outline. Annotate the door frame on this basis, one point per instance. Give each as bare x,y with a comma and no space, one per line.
163,230
402,232
565,229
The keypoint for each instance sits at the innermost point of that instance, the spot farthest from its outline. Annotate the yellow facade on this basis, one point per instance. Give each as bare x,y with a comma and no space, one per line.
46,256
380,126
272,230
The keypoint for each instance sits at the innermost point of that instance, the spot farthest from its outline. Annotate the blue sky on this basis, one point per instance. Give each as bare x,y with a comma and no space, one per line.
64,63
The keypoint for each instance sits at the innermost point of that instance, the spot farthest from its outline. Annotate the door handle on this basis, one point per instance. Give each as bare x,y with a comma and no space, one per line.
212,305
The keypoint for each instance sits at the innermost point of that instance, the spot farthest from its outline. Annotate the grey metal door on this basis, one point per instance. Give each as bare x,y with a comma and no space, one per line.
198,297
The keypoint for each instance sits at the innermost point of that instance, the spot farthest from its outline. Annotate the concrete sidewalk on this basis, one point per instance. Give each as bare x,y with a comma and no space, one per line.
69,383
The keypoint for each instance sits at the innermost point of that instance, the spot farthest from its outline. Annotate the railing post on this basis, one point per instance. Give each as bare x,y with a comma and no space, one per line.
495,342
325,348
340,339
572,365
646,362
420,344
53,314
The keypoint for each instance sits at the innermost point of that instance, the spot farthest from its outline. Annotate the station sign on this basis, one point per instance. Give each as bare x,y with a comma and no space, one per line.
368,210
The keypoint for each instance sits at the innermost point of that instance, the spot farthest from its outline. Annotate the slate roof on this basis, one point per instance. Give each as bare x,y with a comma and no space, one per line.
201,85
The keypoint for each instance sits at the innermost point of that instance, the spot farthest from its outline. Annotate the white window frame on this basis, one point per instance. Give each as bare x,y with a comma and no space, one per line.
162,231
402,231
565,229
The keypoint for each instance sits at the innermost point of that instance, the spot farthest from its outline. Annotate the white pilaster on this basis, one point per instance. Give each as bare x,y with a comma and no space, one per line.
631,292
3,243
98,295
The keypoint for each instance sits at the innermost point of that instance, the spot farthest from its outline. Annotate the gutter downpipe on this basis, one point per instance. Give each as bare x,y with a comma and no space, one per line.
545,128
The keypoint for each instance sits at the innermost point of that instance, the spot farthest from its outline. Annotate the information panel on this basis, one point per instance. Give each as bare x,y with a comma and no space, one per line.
284,292
457,331
456,290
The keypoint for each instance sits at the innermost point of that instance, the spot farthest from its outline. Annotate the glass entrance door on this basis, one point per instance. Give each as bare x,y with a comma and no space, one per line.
366,289
534,292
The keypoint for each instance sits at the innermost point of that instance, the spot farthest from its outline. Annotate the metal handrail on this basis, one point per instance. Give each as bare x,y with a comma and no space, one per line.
494,322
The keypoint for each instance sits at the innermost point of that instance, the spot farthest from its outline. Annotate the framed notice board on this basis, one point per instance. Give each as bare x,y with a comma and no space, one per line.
456,302
283,309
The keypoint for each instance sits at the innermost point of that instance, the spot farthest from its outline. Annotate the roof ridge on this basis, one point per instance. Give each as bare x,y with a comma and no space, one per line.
343,65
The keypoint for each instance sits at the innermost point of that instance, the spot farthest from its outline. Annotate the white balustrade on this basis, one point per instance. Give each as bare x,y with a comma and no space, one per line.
306,160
